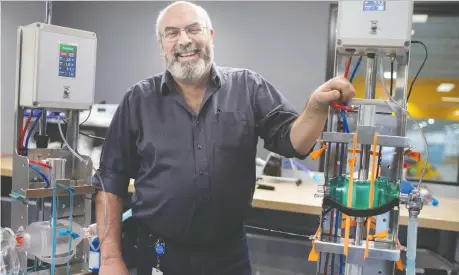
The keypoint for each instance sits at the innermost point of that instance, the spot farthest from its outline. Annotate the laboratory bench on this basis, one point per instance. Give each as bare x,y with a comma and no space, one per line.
293,209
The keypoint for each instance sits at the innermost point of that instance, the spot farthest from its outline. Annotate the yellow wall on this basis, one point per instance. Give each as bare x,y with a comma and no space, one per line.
425,102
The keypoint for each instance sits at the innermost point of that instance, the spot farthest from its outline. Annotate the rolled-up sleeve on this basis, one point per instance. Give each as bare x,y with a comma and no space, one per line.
274,117
119,160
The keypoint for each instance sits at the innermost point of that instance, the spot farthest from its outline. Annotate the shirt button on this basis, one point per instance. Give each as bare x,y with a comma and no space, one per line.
199,146
201,173
197,122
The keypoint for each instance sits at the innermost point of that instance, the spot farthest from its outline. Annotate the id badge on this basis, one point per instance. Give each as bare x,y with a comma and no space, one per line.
155,271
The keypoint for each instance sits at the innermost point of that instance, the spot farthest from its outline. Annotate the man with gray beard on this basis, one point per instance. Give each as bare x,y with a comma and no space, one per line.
188,137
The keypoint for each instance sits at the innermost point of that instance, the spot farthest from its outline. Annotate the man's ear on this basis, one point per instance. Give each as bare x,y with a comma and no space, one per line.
212,34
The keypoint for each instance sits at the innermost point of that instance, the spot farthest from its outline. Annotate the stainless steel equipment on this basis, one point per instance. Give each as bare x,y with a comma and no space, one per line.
54,73
360,212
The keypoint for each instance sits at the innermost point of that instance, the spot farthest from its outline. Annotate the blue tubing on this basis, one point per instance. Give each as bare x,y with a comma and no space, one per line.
43,176
70,190
53,249
355,69
346,126
29,134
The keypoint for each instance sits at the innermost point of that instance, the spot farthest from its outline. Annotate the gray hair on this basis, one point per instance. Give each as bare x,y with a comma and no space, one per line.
199,8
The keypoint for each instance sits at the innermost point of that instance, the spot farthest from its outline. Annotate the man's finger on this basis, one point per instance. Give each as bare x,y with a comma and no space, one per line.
329,97
341,84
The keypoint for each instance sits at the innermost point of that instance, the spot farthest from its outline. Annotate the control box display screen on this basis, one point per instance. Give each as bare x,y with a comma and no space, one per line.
67,60
374,5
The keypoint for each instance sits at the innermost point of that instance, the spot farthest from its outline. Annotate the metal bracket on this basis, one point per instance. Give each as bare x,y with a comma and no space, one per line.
383,140
376,250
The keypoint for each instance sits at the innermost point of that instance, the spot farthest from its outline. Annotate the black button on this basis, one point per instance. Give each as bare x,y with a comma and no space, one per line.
199,146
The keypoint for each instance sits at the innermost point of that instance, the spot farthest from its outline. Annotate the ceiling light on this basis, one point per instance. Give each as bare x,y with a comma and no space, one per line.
420,18
387,75
412,32
445,87
450,99
430,121
423,124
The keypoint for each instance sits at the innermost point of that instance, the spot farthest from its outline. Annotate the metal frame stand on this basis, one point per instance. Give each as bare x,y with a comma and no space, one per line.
370,116
73,174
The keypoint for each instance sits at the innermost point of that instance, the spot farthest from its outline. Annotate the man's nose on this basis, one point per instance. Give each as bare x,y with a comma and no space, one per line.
184,39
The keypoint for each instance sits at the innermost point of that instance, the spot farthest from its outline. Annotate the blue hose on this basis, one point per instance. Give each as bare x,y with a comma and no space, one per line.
347,130
346,126
53,249
29,134
337,225
355,69
126,215
298,164
70,190
38,171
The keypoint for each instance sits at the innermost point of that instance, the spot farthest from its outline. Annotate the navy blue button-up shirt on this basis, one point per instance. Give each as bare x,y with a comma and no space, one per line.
195,172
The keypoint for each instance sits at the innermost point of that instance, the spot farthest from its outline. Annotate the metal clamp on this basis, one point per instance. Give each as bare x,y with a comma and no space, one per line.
414,204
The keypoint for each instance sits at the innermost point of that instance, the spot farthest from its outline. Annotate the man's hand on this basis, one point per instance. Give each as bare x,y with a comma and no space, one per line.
309,125
336,90
113,266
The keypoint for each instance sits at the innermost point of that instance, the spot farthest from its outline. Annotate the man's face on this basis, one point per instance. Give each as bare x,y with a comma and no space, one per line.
186,43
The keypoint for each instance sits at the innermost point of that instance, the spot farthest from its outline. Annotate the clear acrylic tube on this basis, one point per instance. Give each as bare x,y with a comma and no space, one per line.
411,245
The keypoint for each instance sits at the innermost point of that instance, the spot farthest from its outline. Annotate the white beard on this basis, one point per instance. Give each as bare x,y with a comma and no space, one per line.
190,71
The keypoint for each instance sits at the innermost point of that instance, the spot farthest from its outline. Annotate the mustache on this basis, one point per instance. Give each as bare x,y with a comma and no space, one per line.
180,49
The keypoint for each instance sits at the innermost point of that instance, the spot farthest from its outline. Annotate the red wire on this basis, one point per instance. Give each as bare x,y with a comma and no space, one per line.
23,131
345,108
346,73
40,163
348,65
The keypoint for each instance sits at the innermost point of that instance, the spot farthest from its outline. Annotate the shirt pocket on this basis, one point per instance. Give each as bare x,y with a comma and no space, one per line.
231,130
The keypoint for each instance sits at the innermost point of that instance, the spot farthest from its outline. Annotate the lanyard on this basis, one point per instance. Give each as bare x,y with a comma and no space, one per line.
160,249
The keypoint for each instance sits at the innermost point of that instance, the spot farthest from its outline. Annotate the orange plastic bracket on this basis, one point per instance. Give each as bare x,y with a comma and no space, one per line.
317,153
372,190
379,235
314,255
349,195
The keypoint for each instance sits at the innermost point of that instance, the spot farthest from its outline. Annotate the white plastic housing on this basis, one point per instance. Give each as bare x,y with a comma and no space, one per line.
374,26
57,67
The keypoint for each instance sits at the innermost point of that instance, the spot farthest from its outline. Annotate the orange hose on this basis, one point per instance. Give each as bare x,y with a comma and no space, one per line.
372,189
349,195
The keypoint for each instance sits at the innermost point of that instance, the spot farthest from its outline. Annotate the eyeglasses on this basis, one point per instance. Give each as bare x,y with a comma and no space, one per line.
172,34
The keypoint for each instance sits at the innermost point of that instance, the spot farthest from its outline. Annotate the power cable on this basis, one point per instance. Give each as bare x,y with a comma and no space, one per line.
420,68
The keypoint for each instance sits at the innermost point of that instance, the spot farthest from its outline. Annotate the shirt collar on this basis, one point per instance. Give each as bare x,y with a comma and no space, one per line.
167,80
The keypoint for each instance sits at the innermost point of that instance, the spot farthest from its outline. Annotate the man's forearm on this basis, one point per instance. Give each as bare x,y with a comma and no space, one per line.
110,239
307,128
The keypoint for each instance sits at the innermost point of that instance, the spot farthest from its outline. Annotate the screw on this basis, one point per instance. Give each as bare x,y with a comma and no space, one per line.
407,43
339,42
